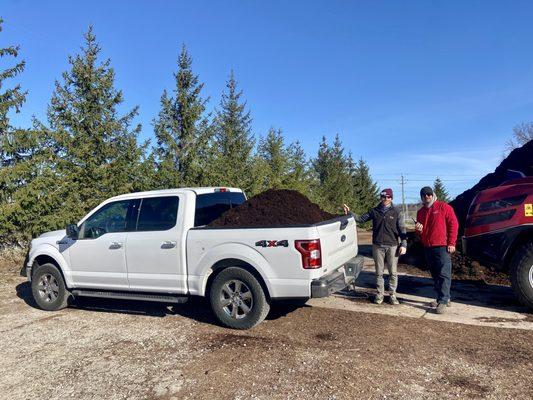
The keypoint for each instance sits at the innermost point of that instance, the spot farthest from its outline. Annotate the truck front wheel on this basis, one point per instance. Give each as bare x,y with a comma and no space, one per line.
237,299
48,288
522,274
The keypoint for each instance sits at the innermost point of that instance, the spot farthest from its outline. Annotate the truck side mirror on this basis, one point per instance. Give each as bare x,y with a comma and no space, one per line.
72,231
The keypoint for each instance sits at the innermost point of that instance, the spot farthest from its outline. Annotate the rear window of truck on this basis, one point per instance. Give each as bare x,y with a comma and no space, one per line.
210,206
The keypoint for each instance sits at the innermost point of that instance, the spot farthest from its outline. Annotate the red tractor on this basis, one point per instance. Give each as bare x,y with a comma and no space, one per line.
499,232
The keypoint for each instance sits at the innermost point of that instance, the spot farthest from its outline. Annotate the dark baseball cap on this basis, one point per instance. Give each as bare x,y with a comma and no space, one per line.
386,192
426,190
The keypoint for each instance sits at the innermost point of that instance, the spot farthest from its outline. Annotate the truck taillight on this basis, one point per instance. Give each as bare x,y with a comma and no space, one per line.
310,251
221,190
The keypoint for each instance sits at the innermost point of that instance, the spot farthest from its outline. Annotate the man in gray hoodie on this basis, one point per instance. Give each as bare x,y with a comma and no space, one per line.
388,228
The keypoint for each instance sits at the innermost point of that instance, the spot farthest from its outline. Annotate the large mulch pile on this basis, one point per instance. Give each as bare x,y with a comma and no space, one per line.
273,208
520,159
463,268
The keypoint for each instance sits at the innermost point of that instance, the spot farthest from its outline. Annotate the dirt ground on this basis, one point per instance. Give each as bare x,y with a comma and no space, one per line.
135,350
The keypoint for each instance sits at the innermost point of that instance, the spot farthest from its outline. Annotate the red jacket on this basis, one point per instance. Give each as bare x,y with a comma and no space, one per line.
440,225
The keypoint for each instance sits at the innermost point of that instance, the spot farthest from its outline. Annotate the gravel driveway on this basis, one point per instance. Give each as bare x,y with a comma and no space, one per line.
124,350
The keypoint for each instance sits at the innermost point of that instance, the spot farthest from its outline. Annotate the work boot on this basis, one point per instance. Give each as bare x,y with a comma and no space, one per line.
378,299
393,300
435,303
441,308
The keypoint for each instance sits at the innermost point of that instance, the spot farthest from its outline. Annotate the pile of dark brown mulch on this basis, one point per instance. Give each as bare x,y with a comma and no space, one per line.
519,159
463,268
273,208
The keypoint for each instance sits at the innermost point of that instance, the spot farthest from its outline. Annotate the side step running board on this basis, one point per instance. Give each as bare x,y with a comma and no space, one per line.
164,298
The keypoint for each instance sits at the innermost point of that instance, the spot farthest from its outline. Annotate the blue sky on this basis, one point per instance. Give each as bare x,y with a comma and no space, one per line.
420,88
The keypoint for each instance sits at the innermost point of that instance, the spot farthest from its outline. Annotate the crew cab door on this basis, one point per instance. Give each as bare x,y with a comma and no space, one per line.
97,257
153,250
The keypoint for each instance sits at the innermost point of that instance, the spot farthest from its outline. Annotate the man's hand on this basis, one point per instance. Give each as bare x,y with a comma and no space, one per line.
402,250
419,227
451,249
346,209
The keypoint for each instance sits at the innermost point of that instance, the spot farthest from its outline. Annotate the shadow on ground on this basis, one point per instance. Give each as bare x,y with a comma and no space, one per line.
476,293
197,308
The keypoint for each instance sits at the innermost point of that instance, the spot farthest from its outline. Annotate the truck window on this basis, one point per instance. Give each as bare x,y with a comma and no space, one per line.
210,206
110,218
158,213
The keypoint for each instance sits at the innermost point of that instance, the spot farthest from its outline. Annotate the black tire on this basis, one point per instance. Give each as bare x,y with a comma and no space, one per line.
52,296
251,297
521,269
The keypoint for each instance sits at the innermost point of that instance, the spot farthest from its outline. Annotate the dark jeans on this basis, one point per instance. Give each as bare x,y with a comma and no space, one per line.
440,266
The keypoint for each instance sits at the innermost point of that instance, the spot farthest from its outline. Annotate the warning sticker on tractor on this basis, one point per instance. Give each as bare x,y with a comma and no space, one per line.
528,210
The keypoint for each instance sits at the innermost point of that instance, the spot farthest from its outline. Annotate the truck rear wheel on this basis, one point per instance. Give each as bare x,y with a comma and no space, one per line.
237,299
48,288
522,274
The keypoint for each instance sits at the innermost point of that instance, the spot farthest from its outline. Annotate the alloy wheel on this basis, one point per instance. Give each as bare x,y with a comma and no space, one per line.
48,288
236,299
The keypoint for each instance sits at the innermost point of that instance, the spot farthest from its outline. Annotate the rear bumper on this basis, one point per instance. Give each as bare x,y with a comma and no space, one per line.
337,280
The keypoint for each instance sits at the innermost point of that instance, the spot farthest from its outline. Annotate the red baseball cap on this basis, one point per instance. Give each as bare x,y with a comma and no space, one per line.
386,192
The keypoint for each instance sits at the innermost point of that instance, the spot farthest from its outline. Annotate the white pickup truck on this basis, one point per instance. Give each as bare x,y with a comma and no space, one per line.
155,246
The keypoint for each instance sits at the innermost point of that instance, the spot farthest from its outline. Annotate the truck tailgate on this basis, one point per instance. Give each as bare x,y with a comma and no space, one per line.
338,242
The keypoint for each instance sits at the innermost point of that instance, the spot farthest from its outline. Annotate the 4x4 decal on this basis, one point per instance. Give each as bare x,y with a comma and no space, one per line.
272,243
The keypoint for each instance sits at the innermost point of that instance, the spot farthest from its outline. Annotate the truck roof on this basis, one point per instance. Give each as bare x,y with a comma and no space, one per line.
167,192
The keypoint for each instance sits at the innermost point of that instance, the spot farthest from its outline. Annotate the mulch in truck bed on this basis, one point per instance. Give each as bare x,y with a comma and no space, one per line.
274,207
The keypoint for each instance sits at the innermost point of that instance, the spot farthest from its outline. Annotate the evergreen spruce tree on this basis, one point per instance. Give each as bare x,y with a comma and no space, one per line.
13,149
333,169
25,175
30,191
11,100
97,149
272,162
440,190
366,191
233,140
298,176
182,132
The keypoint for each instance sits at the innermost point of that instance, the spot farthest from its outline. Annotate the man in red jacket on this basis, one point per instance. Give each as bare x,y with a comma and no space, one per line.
437,226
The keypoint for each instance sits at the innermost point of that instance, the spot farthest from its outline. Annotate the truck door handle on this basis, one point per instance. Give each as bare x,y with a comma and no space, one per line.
115,245
167,244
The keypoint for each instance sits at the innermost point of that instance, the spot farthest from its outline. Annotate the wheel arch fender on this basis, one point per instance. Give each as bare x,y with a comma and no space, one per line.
235,255
48,253
523,237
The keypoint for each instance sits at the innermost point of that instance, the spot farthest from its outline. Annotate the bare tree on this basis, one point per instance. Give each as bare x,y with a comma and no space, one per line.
522,134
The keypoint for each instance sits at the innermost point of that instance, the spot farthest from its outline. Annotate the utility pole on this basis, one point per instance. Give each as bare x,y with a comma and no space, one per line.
404,206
